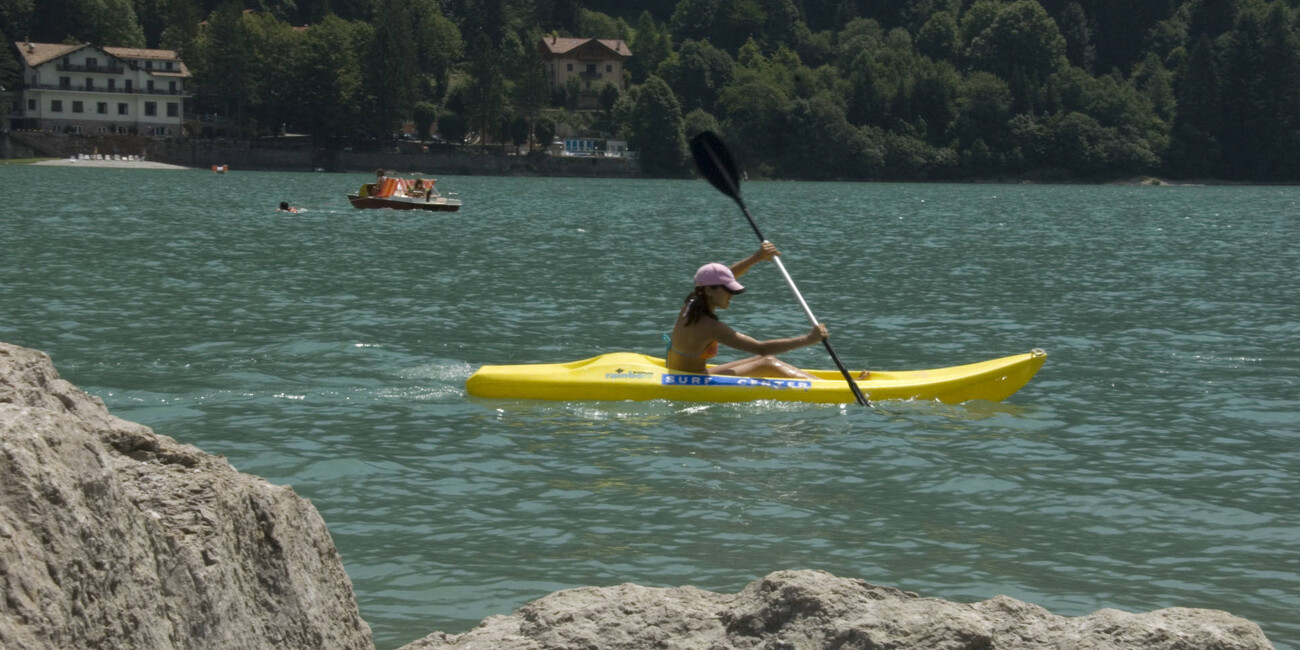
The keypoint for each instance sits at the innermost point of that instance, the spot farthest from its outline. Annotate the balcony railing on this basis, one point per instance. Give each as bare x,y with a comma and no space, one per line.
106,89
71,67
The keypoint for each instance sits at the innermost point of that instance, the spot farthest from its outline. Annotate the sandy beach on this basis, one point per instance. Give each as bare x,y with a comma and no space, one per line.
119,164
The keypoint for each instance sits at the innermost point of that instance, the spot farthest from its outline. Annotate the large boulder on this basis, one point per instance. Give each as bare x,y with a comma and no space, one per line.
814,610
112,536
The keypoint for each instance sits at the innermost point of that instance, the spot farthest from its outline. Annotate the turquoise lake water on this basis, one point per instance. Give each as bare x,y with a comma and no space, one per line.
1153,462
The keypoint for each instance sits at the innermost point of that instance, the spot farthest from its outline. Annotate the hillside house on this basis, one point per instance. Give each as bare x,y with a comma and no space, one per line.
97,90
589,59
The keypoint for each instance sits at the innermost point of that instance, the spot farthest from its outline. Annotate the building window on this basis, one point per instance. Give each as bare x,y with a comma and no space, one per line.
78,107
151,108
148,86
112,84
148,65
171,87
173,109
128,85
101,108
90,83
31,104
169,65
65,82
570,67
56,106
92,62
121,109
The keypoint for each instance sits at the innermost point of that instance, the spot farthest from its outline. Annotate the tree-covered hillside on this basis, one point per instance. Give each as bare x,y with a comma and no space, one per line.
818,89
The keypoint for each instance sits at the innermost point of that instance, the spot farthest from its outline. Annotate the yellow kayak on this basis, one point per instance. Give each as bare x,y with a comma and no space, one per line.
632,376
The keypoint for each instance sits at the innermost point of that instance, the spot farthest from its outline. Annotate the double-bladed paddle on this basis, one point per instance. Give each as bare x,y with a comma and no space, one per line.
715,162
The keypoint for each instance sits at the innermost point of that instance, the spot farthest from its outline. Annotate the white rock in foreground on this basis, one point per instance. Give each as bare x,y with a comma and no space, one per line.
114,537
807,610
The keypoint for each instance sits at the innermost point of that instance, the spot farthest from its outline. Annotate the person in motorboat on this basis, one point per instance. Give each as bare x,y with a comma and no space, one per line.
698,331
369,189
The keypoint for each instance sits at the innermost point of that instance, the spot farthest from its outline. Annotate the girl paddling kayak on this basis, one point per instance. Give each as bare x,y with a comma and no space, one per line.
698,331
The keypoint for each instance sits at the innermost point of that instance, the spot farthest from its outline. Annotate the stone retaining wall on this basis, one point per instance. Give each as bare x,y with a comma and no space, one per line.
298,154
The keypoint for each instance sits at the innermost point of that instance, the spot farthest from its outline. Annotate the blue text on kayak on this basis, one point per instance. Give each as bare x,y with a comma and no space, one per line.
724,380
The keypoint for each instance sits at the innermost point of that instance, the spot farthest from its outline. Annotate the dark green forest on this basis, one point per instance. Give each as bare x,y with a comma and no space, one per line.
1087,90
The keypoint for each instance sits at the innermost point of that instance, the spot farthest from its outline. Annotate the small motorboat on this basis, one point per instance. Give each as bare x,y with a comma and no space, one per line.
403,194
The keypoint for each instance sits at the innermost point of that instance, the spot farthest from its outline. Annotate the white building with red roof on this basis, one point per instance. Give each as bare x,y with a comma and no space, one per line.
98,90
589,59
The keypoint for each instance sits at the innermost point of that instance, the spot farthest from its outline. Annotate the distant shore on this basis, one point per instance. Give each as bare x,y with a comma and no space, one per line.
295,155
118,164
1137,180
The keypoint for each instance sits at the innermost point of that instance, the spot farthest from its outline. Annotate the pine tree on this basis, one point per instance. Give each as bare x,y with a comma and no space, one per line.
657,130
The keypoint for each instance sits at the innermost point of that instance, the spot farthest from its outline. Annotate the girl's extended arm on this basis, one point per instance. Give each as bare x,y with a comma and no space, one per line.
765,252
731,338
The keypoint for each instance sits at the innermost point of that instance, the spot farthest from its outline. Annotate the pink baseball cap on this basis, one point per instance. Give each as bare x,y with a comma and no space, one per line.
717,274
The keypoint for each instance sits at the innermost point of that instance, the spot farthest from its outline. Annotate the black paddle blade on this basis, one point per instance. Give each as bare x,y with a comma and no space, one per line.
715,163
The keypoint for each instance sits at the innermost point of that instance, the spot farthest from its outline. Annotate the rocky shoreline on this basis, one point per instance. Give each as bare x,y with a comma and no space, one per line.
113,536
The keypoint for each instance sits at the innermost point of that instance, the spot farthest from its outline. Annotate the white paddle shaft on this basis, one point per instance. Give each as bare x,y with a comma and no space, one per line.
790,281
